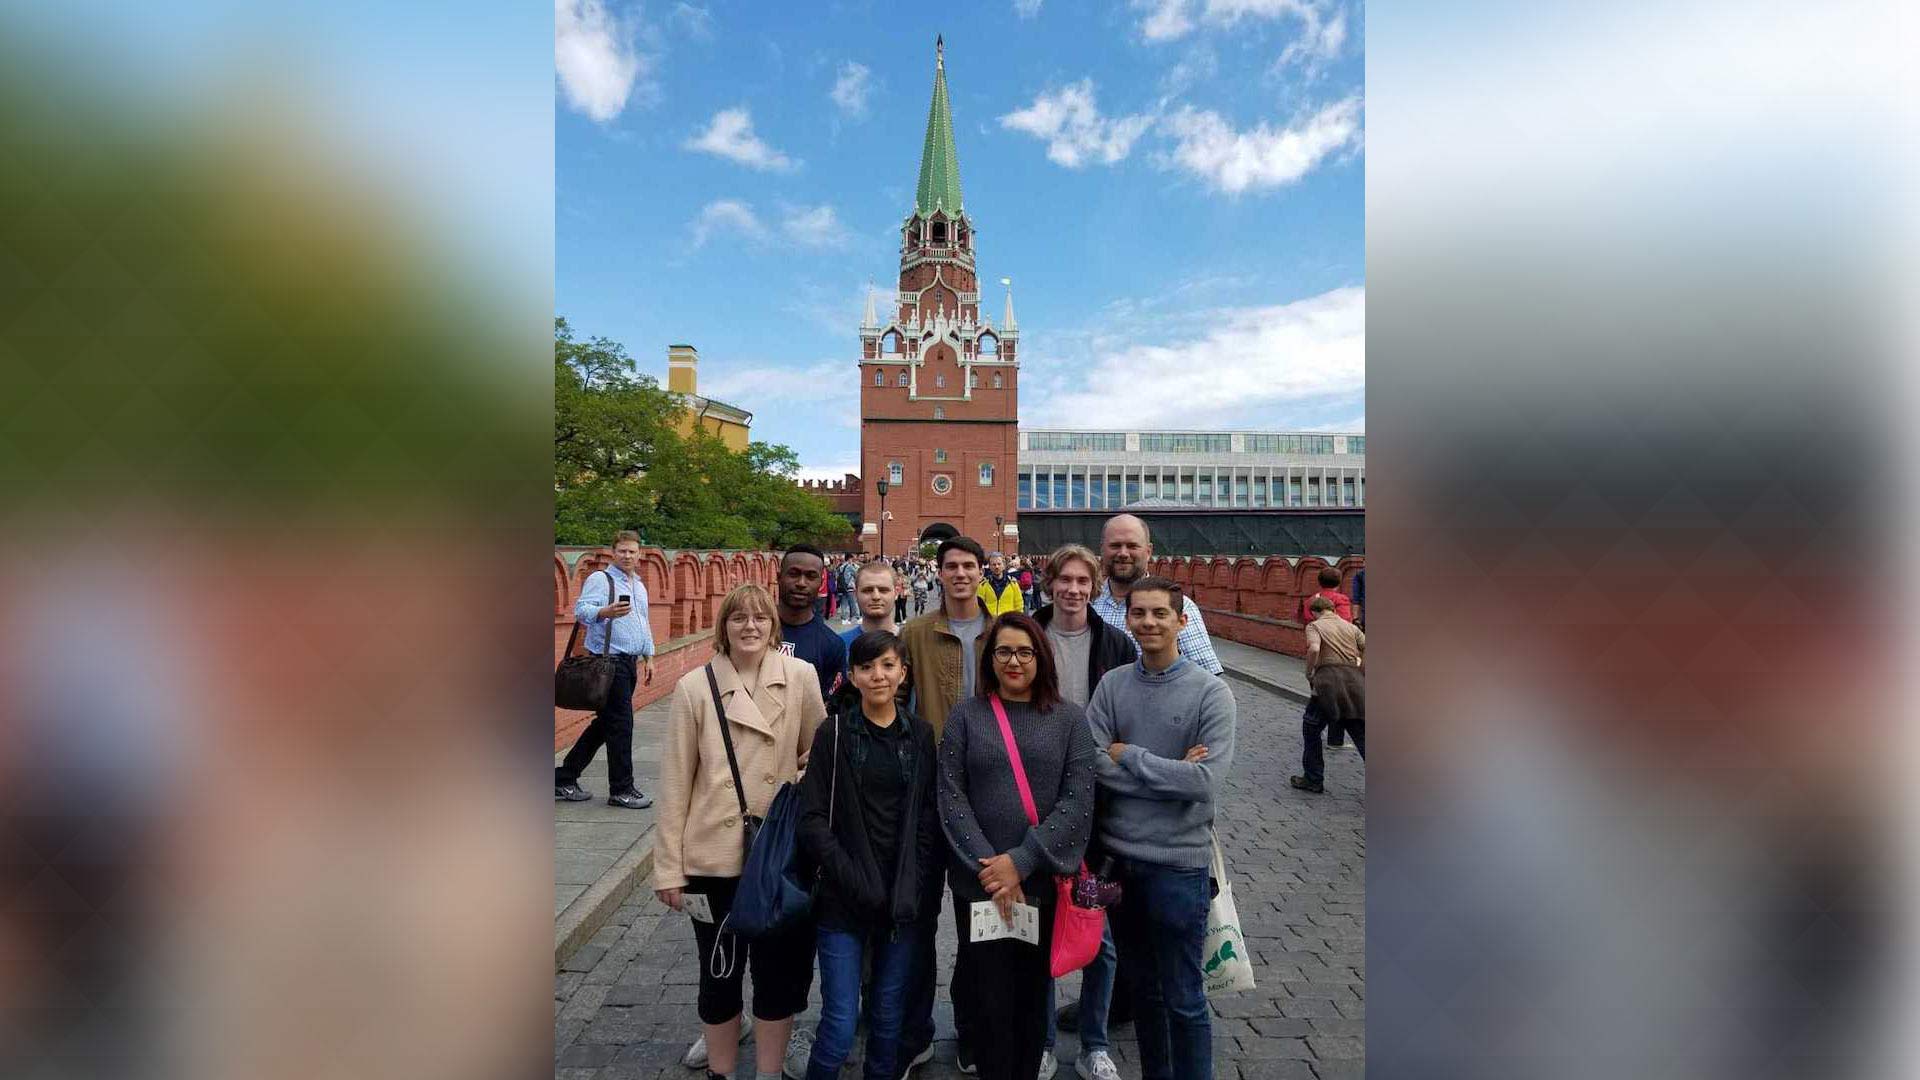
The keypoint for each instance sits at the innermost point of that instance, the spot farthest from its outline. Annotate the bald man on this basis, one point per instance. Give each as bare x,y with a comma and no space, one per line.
1125,550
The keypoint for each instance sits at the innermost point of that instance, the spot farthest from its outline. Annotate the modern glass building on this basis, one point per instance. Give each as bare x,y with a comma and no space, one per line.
1064,469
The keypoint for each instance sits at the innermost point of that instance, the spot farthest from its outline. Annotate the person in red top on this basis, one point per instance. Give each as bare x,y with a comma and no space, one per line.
1343,607
1329,588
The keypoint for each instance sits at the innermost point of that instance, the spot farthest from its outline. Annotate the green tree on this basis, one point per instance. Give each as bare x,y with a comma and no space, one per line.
621,462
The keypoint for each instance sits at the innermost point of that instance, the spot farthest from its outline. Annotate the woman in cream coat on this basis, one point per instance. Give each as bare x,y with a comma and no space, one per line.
772,706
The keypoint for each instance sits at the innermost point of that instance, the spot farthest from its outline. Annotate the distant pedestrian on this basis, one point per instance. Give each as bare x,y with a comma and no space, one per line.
1329,580
1336,651
999,590
613,608
899,597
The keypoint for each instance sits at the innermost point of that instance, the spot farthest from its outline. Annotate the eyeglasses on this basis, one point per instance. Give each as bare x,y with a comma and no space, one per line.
1007,655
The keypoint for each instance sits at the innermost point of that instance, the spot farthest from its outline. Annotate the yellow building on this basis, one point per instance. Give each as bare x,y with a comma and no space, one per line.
718,417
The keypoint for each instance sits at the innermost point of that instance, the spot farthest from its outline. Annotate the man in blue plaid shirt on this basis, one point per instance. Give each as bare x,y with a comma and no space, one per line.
1125,551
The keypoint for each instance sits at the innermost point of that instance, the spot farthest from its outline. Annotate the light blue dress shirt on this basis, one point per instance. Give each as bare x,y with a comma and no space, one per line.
1195,644
632,634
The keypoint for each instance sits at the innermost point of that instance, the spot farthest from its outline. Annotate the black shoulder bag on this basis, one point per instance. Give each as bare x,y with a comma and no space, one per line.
586,681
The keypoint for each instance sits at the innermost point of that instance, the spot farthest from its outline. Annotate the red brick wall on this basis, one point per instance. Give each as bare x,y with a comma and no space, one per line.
684,591
1255,601
968,507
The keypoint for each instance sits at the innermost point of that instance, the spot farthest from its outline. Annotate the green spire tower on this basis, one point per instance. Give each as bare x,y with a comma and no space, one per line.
939,162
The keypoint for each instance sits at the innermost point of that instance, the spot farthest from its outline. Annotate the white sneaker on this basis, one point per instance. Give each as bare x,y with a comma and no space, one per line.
799,1049
1048,1066
919,1059
1096,1065
696,1057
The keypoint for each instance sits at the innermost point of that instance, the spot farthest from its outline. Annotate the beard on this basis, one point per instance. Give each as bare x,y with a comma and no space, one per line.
1132,574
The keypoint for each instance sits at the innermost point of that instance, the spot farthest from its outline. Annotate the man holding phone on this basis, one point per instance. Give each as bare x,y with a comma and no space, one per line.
613,608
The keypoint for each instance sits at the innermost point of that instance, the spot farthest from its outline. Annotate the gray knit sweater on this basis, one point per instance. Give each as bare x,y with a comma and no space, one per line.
1159,808
980,807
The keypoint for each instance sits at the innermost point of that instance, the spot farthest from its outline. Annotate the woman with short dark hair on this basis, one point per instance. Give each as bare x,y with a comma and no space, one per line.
1000,853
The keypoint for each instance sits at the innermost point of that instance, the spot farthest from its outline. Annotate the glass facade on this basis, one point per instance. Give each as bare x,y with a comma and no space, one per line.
1160,442
1105,442
1292,444
1110,487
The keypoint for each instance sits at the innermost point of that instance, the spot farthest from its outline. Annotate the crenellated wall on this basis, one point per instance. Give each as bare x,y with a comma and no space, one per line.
684,590
1254,600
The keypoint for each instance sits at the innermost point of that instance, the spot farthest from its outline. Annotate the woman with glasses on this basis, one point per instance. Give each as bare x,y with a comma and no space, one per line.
999,854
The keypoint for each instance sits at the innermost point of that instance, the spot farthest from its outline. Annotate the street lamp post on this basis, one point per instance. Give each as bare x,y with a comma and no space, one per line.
882,488
999,530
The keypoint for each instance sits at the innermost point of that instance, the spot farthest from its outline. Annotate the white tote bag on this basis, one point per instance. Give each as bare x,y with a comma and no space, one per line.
1228,967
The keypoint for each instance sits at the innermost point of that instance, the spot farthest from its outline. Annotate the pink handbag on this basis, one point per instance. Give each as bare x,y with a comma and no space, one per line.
1076,930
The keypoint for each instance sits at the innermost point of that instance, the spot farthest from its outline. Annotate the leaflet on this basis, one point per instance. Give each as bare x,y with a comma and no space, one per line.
987,925
697,906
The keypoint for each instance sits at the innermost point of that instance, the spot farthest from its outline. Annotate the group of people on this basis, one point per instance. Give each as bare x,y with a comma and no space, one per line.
916,585
979,750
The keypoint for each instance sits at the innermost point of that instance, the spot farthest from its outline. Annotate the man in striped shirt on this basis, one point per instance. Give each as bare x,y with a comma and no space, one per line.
1125,551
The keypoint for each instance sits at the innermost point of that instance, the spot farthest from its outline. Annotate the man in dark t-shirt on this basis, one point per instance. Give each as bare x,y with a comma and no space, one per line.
803,633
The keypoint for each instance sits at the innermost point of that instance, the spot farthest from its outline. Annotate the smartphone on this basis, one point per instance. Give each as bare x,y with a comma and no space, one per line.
625,599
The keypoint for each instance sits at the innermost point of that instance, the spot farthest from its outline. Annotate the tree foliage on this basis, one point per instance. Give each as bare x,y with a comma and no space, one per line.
620,461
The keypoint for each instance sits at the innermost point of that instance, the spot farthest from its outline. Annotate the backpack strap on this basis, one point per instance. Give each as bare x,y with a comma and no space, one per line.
1013,755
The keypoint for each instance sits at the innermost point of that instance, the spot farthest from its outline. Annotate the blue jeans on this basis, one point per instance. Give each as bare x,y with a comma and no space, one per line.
1162,929
841,953
1096,995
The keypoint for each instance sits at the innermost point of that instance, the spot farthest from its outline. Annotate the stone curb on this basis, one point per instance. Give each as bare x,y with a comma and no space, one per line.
1268,685
592,909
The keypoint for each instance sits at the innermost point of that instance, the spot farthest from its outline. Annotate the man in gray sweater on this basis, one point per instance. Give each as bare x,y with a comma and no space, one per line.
1165,729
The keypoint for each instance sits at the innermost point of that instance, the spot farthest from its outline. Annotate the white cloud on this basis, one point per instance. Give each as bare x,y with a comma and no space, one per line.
814,226
730,135
1076,134
696,21
850,90
1238,359
1200,63
1263,157
830,472
1319,42
594,58
727,215
1166,19
1027,9
829,381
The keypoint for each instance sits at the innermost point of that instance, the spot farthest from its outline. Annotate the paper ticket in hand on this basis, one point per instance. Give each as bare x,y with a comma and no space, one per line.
987,925
697,906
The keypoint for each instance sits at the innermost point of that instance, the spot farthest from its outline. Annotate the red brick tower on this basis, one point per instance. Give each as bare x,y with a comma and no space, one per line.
939,394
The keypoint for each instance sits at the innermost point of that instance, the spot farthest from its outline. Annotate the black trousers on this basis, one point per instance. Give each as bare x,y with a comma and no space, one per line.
916,1029
612,726
1313,762
1006,989
900,609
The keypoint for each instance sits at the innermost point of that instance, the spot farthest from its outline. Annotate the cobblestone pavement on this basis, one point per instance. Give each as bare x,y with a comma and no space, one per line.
623,1006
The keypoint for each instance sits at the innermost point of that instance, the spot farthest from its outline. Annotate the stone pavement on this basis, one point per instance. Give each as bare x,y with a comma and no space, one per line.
623,1003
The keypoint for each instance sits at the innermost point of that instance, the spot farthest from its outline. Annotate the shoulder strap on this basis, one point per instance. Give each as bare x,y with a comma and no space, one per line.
612,591
733,763
1013,755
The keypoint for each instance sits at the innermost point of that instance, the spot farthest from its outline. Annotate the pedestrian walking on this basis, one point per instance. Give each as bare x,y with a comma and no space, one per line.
1166,727
613,608
870,825
737,729
1014,745
1329,580
1336,650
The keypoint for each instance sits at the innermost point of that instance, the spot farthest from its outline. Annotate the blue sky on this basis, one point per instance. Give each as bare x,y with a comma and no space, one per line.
1176,188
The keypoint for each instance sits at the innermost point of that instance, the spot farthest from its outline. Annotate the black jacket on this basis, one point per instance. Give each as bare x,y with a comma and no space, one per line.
855,891
1111,648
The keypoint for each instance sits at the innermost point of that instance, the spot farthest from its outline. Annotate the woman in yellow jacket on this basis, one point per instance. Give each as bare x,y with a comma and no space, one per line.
771,705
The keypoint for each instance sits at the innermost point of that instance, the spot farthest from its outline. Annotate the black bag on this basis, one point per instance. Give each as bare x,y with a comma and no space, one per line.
586,681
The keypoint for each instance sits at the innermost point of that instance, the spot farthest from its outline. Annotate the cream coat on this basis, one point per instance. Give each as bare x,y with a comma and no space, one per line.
699,817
